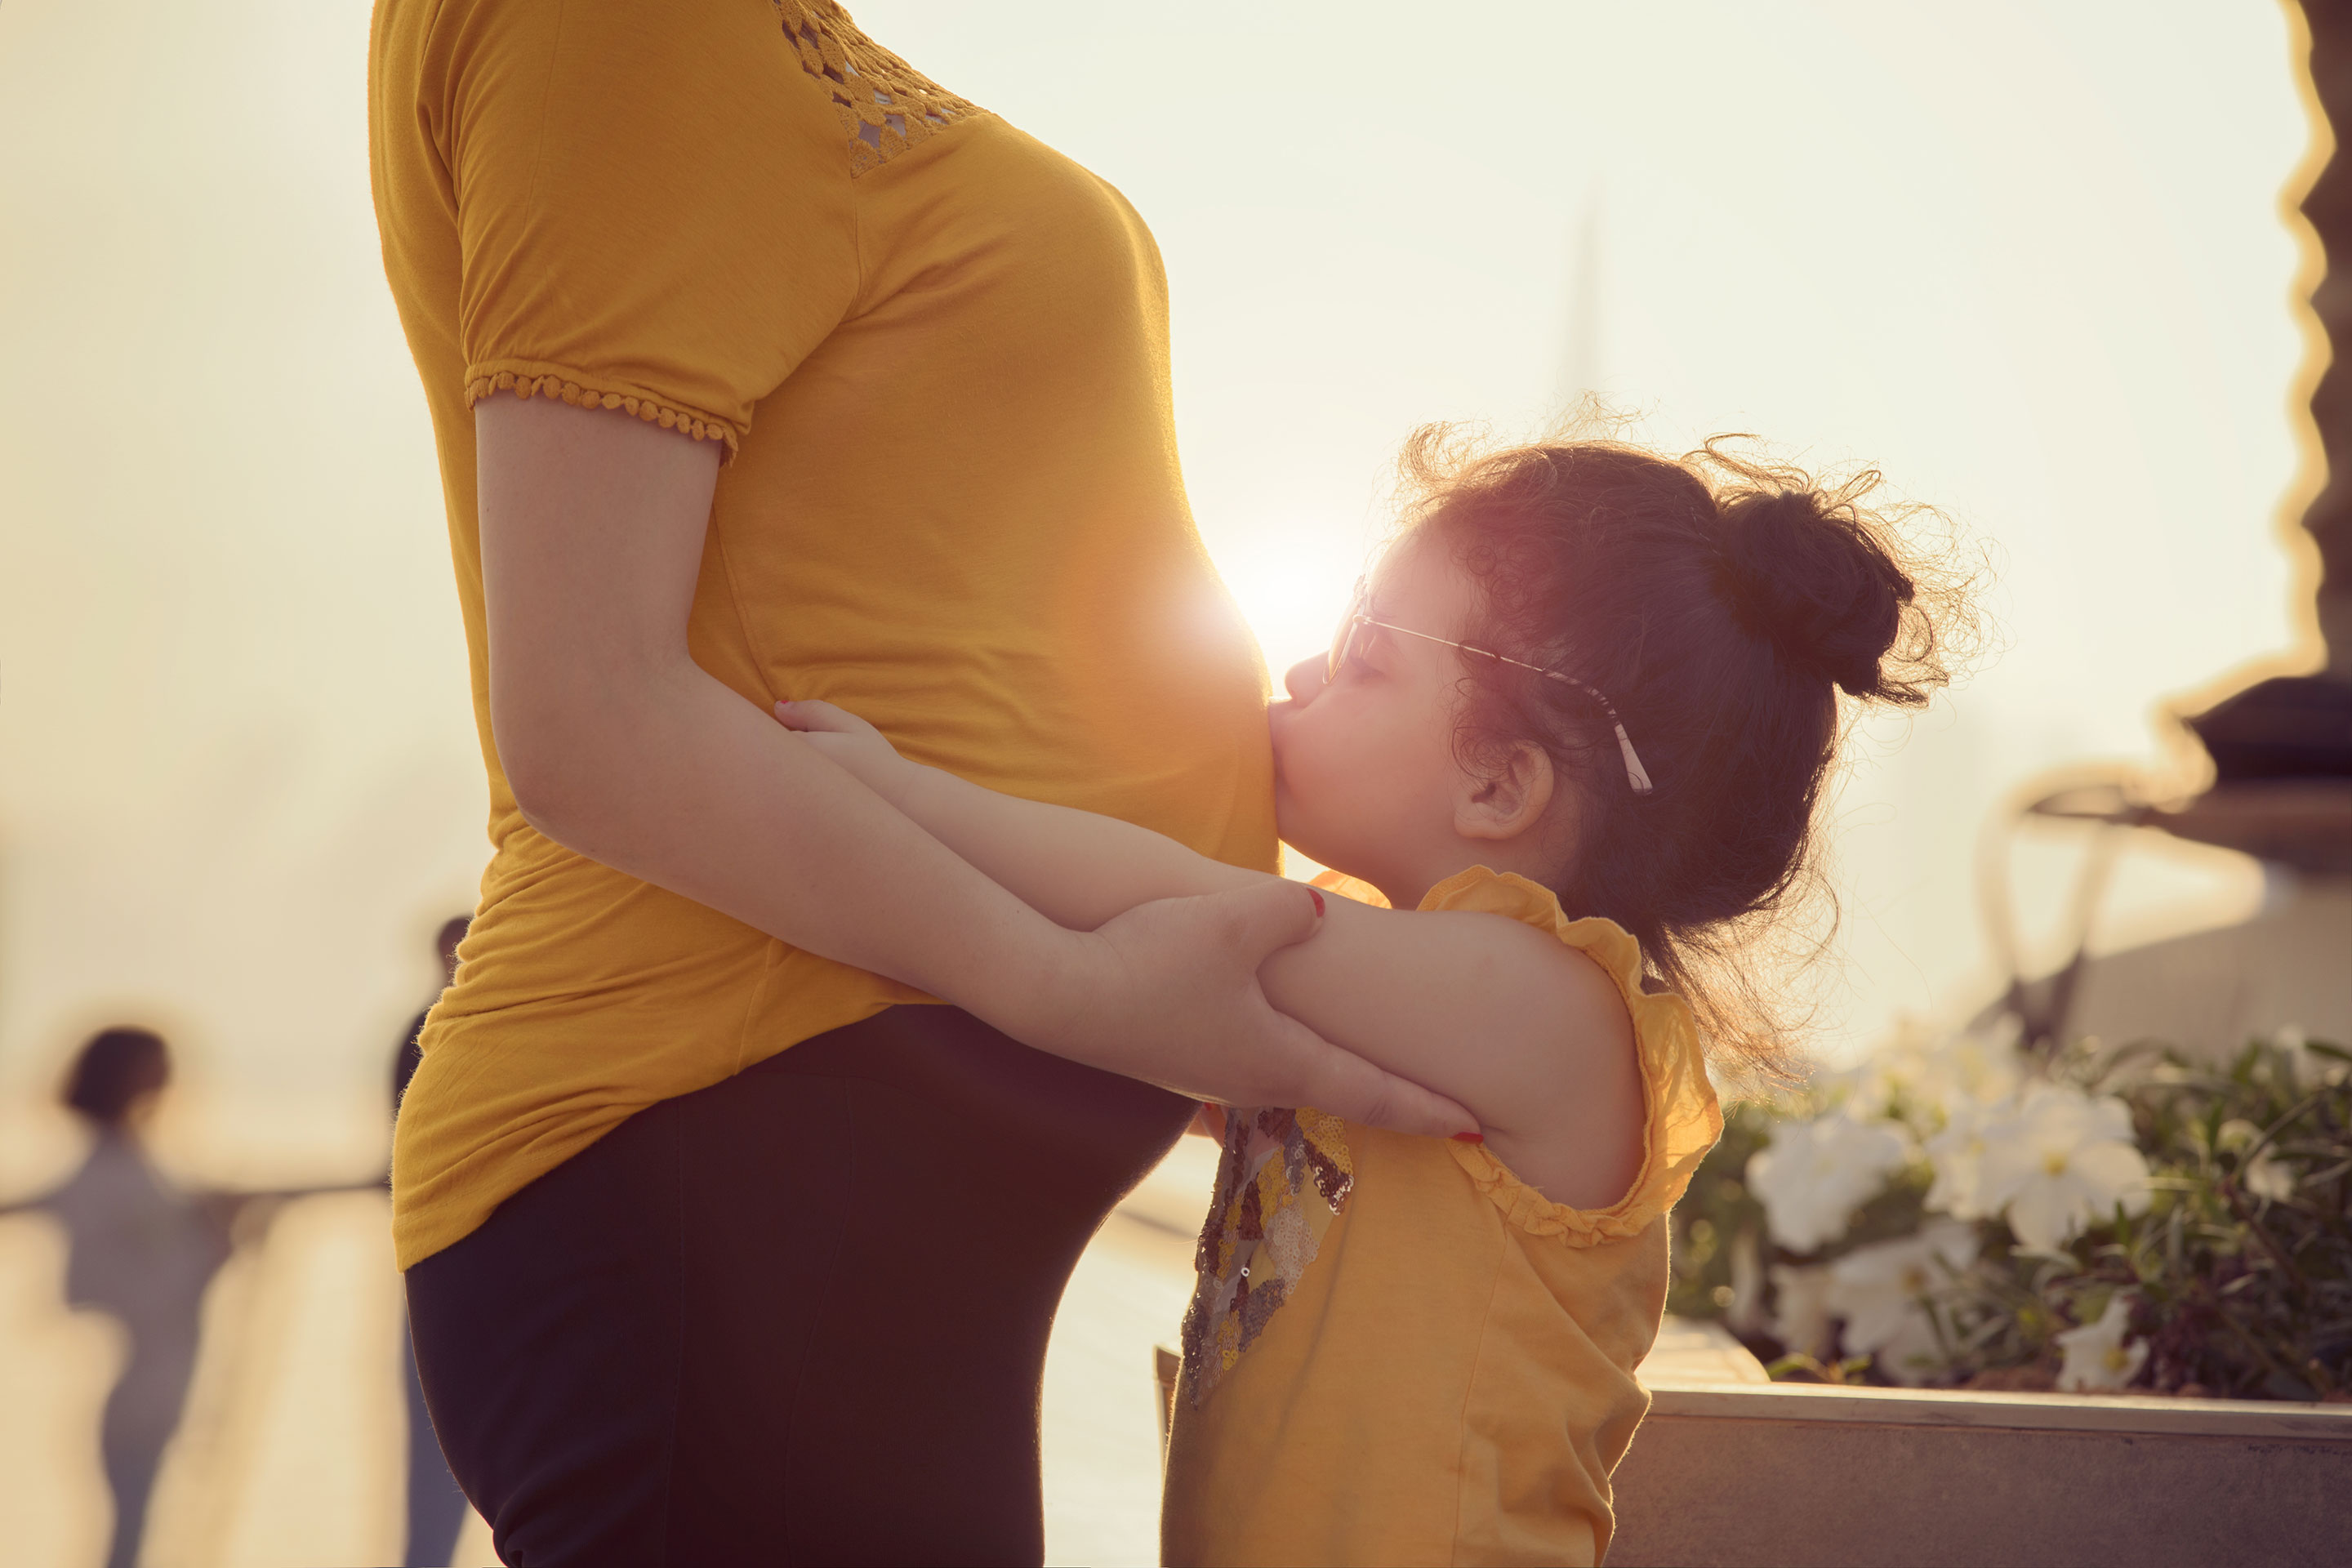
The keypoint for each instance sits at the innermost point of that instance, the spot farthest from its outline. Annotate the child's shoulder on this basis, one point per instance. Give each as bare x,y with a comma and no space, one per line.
1554,1010
1529,964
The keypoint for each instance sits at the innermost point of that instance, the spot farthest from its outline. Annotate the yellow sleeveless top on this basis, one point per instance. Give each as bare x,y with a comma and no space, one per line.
1400,1353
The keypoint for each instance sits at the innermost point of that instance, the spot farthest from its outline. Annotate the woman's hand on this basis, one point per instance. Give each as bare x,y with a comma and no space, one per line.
1167,992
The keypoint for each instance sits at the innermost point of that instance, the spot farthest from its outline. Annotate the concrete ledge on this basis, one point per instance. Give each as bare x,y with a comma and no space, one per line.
2149,1414
1735,1475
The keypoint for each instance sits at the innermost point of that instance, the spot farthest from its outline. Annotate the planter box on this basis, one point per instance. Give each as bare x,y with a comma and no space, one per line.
1726,1473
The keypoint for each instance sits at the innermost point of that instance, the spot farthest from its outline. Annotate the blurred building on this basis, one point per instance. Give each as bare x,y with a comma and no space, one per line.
2281,749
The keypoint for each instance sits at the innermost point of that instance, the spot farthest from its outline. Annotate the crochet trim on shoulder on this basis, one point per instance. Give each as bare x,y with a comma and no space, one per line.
885,105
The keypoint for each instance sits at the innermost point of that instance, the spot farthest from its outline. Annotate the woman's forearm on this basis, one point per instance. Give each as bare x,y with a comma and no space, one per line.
677,781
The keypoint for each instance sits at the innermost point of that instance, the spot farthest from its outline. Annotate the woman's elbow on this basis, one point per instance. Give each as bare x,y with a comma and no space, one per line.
548,796
551,769
582,747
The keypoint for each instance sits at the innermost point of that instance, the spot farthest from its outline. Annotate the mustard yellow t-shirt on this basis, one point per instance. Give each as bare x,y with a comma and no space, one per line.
937,353
1398,1352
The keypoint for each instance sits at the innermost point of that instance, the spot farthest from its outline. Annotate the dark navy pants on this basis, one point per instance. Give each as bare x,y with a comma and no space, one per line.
797,1317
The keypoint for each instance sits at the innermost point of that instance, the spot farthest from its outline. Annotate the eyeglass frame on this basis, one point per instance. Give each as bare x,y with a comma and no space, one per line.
1636,775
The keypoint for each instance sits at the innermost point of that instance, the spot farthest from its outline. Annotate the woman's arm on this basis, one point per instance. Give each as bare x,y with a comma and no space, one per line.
1409,991
617,745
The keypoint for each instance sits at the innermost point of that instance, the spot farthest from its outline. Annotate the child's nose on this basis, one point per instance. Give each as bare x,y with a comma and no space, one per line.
1304,679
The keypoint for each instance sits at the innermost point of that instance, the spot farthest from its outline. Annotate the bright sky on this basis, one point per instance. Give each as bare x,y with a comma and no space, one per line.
2026,257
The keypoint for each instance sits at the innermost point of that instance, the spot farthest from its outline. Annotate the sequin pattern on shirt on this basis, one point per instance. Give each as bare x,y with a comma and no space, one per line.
1285,1177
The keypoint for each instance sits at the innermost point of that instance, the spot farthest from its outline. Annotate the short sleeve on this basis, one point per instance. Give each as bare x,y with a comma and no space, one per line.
1683,1117
653,204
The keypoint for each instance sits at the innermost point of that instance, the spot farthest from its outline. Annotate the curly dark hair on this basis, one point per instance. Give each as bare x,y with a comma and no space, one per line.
1722,604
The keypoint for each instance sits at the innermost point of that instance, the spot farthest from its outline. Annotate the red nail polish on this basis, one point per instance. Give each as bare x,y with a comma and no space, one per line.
1317,894
1469,1137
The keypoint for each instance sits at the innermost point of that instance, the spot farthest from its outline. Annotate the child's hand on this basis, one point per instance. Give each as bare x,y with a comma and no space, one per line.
849,741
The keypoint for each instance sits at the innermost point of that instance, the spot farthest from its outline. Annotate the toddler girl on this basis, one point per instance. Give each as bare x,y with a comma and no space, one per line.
1568,742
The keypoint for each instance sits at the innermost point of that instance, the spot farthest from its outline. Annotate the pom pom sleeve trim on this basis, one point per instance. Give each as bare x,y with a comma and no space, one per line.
527,379
1682,1118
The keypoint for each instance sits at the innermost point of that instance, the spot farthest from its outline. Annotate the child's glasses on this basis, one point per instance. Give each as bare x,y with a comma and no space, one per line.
1344,644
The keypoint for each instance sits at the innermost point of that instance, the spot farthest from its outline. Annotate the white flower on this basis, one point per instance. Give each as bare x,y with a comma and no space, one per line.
1877,1290
2262,1176
2268,1178
1814,1174
1913,1354
2308,1067
1801,1312
1868,1089
1979,1067
1927,1074
2060,1161
2097,1356
1958,1154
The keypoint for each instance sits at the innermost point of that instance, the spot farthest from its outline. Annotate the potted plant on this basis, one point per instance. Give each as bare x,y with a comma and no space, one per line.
2096,1306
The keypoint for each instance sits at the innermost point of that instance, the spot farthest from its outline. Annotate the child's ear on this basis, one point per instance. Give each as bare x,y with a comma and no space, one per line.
1506,798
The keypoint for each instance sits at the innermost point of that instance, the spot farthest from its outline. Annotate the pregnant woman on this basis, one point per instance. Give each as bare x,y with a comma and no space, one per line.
733,1198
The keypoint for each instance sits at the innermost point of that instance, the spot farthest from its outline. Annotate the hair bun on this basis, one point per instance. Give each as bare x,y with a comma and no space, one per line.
1810,577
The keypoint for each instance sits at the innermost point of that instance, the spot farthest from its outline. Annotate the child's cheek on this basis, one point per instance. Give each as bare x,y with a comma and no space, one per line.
1333,792
1302,778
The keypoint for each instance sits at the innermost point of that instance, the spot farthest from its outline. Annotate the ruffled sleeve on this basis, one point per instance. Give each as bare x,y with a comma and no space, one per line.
1683,1117
651,200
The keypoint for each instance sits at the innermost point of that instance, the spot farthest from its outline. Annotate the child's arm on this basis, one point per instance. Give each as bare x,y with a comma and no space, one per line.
1530,1036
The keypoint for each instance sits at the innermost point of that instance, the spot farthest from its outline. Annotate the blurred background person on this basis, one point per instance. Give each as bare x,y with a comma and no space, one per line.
144,1249
444,947
436,1508
141,1251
